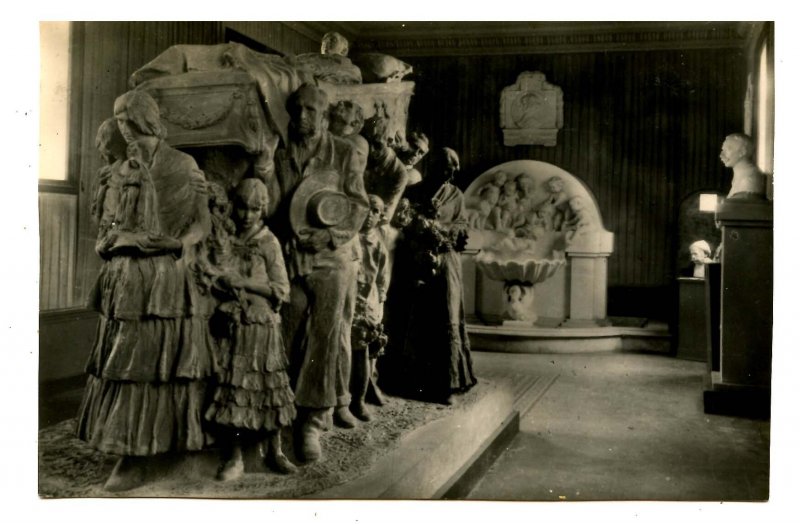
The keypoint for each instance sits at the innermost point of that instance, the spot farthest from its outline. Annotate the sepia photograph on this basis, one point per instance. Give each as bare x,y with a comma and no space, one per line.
307,262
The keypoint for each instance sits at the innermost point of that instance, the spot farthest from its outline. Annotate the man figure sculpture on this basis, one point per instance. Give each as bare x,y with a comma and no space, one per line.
319,181
748,181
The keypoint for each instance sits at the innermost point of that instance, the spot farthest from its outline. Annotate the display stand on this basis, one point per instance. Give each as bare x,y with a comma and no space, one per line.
692,338
741,384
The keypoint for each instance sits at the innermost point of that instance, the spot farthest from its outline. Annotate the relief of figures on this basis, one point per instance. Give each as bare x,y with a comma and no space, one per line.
519,206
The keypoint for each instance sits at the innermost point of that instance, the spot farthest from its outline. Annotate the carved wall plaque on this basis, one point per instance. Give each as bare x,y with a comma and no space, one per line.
531,111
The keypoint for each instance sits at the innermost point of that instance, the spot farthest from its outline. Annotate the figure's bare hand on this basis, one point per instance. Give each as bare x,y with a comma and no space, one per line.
164,243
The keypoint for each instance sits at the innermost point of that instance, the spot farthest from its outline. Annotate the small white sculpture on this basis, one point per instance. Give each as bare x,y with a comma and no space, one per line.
700,252
748,181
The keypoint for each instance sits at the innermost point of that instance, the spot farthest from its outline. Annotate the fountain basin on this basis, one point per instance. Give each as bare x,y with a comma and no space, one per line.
519,260
517,263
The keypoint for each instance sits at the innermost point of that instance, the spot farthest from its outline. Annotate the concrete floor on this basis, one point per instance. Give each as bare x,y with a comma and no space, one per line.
621,426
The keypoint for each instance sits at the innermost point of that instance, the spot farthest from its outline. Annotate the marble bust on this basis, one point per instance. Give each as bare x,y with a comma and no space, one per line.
748,181
700,253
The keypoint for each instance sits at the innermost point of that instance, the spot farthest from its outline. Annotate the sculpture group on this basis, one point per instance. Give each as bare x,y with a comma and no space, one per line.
230,315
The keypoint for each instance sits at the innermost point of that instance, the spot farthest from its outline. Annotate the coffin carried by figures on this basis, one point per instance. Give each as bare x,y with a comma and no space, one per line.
228,94
212,108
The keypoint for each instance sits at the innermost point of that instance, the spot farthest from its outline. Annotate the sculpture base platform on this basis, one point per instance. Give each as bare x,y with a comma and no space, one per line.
551,336
735,400
411,450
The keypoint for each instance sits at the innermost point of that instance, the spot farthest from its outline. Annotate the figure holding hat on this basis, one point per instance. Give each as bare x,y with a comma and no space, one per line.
319,178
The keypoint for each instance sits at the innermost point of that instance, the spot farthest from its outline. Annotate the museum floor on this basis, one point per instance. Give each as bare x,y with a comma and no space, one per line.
624,426
601,426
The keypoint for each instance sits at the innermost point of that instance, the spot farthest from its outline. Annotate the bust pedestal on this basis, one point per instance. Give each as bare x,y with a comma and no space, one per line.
741,385
692,337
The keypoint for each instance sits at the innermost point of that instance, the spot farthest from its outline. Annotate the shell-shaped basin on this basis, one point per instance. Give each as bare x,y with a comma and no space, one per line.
517,260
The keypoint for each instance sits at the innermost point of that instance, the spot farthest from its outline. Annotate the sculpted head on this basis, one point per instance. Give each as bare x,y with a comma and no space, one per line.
555,185
737,146
137,115
490,193
376,212
515,292
418,146
700,252
448,162
109,141
334,44
307,107
525,184
376,127
576,204
250,202
345,118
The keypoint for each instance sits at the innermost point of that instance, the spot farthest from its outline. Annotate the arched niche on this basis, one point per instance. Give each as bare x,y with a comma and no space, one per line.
576,294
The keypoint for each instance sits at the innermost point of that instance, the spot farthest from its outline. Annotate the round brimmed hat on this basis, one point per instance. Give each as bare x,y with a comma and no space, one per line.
319,203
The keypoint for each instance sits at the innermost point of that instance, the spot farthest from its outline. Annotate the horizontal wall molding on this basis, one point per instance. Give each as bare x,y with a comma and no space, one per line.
63,315
585,38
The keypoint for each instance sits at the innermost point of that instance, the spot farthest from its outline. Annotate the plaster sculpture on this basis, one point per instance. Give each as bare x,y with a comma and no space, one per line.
700,253
228,94
377,67
252,400
748,181
151,359
368,336
531,111
428,352
323,204
386,176
346,120
411,153
553,224
520,266
331,63
113,149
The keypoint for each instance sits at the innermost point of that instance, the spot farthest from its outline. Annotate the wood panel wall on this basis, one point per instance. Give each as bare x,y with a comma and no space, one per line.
58,235
642,129
279,36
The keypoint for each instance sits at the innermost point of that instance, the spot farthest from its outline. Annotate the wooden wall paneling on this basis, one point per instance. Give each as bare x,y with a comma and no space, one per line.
58,220
280,36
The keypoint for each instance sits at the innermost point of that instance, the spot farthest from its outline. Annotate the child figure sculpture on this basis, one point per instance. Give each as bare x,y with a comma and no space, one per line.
253,400
368,338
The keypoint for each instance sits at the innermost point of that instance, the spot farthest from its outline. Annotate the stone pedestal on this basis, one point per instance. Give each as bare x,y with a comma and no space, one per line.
692,333
588,275
742,382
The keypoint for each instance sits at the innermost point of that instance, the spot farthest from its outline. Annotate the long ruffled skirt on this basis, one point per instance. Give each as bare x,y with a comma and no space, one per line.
147,386
254,391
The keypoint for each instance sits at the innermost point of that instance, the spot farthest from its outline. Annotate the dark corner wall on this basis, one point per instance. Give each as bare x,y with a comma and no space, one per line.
642,128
